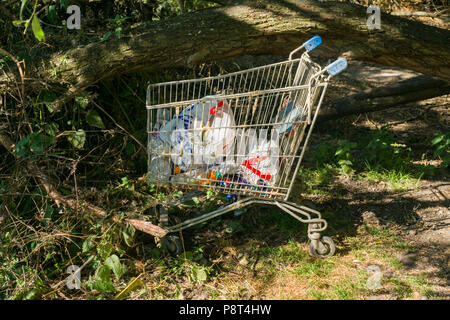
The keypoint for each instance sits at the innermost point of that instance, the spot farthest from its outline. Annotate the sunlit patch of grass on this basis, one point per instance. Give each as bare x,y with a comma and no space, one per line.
401,288
315,268
412,286
346,288
388,239
395,263
399,180
317,295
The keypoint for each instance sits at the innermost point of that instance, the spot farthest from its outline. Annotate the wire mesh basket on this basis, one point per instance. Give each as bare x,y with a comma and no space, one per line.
242,133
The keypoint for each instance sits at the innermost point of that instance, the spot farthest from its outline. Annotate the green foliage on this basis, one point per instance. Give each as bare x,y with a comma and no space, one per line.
377,156
441,143
77,138
35,24
35,143
116,24
37,29
94,119
102,280
199,274
344,156
380,150
82,101
51,14
116,266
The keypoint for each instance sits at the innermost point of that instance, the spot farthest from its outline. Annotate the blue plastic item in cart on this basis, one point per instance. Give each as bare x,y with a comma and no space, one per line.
289,115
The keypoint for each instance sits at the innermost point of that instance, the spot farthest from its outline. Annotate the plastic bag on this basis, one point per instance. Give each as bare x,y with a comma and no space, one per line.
287,117
219,137
198,136
159,148
260,166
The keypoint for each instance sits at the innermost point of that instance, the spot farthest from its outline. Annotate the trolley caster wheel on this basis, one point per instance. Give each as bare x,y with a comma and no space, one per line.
172,244
326,248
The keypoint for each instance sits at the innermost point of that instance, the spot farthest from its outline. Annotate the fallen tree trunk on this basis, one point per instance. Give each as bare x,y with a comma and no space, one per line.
250,27
394,95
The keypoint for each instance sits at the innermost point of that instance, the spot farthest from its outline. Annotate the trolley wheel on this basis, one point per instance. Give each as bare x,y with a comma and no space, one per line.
329,248
172,244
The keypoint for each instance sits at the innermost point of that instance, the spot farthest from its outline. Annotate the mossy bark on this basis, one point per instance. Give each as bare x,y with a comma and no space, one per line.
252,27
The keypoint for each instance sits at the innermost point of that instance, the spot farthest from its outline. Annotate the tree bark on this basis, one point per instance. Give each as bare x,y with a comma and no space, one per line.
395,95
251,27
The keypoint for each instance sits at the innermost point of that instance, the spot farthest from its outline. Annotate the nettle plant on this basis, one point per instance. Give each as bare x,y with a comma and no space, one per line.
344,156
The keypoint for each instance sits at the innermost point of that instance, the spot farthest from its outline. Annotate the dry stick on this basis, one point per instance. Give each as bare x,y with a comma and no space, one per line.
59,199
56,286
17,62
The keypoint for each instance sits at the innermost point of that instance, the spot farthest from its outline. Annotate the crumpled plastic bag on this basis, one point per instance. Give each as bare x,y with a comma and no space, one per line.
261,164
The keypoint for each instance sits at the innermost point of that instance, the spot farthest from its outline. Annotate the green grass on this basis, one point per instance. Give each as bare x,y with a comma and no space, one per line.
346,288
315,180
315,268
398,180
290,253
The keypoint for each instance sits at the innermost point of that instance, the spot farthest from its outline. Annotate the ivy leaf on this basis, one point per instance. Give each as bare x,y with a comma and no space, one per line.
37,30
77,138
199,274
82,101
93,118
40,142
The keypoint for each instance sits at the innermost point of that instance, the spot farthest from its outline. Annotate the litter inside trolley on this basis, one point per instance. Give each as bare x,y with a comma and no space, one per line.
243,134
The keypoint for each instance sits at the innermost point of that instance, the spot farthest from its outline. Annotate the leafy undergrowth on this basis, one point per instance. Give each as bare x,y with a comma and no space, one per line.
261,254
258,255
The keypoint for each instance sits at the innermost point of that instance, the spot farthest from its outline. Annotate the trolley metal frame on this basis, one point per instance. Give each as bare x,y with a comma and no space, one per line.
298,82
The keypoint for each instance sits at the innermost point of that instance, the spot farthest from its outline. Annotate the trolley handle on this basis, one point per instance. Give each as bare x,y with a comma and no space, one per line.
309,45
336,67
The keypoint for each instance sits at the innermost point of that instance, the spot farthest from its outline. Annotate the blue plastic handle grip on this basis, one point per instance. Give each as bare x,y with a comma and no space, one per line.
312,43
337,66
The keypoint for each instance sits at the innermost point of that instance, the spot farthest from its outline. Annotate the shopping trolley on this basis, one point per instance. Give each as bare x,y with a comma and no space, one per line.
243,134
